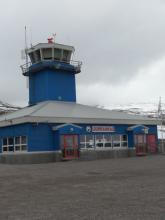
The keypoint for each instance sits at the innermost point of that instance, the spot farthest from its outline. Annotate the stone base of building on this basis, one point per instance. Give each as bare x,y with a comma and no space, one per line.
106,154
161,148
49,157
30,158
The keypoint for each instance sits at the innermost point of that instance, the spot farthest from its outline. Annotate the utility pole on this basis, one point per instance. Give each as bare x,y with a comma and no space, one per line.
160,115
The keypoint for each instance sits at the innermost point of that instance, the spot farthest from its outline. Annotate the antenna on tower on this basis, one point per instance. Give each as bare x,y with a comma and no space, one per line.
26,47
26,57
54,35
31,37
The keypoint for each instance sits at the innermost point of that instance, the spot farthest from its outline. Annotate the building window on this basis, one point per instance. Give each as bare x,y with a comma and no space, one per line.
82,141
124,141
99,140
14,144
116,140
20,143
107,140
103,141
120,141
8,144
87,141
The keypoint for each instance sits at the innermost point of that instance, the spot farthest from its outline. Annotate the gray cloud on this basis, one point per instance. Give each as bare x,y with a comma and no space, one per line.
115,39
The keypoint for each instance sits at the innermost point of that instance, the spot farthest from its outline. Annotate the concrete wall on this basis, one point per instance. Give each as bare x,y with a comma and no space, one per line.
48,157
161,147
106,154
30,158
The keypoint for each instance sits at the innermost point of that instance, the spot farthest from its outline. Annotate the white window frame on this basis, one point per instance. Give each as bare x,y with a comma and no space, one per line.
124,141
103,140
110,135
119,141
20,144
85,142
8,145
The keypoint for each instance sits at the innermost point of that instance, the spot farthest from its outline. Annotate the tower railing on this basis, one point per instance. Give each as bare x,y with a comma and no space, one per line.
25,67
77,64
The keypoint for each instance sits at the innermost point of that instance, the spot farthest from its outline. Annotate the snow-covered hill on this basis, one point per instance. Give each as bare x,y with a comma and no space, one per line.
146,109
7,108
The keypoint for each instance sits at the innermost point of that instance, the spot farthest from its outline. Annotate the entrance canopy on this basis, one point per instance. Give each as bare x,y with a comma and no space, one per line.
138,129
68,129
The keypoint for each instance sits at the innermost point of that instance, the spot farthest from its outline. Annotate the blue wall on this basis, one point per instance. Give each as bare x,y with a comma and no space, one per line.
119,129
41,137
13,131
51,85
122,129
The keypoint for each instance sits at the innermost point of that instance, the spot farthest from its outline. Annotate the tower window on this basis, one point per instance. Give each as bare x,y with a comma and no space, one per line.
65,56
47,53
57,54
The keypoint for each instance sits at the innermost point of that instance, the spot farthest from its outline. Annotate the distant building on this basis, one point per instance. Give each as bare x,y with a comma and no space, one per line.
55,127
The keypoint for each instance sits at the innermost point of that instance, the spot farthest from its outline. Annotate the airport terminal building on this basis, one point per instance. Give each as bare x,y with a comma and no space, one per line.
54,126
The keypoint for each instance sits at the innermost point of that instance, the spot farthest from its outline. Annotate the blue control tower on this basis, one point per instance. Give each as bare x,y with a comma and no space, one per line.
51,72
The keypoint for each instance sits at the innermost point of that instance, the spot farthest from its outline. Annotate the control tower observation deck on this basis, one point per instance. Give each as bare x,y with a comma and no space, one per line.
51,72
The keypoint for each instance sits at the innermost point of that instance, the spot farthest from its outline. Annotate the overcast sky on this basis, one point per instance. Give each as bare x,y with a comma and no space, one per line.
120,42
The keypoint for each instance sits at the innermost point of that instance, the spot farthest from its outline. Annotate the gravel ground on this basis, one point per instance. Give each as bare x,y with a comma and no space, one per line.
127,188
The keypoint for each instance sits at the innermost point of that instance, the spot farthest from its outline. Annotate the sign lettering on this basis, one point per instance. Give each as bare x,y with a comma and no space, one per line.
103,129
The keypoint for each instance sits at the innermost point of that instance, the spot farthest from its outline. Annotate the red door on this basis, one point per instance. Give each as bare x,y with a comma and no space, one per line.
70,146
140,144
151,143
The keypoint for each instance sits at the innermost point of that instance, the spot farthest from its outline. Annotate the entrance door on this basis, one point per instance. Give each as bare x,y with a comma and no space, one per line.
70,146
151,143
140,144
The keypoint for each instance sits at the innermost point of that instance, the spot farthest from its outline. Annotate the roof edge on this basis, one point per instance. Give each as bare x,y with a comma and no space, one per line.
36,119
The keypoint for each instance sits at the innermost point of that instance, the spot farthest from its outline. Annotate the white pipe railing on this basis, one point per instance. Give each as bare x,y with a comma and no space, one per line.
76,64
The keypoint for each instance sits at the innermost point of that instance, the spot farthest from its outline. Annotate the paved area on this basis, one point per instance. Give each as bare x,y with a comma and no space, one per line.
128,188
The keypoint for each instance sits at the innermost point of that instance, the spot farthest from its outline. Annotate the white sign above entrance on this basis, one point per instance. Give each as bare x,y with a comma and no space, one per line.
103,129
